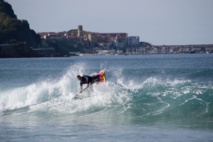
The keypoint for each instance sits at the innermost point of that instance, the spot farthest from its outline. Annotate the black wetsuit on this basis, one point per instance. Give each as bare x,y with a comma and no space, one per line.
89,79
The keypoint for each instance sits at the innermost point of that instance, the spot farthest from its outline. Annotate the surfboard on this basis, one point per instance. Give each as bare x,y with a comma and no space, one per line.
102,76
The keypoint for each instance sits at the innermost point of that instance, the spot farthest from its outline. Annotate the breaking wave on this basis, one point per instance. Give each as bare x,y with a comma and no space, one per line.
149,99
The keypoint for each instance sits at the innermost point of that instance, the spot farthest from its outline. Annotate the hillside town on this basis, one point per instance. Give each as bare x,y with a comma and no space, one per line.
89,43
18,40
77,42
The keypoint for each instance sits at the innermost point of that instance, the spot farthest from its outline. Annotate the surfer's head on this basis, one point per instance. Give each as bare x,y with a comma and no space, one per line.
79,77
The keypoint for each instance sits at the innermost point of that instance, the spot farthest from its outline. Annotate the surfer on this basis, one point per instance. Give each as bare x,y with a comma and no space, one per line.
89,80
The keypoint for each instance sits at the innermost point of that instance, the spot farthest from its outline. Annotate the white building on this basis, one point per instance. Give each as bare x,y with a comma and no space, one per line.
133,41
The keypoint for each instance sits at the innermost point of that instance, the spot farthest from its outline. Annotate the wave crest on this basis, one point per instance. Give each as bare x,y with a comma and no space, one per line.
150,99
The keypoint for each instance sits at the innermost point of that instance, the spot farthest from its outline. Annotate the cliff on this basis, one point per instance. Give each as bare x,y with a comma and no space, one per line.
15,31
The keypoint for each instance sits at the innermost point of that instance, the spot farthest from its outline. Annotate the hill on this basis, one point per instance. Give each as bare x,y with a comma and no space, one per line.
15,32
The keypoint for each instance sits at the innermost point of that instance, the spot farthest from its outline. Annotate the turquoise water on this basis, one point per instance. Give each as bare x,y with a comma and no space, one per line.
146,98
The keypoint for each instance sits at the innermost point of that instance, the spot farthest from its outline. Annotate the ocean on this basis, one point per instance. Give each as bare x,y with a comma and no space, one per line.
149,98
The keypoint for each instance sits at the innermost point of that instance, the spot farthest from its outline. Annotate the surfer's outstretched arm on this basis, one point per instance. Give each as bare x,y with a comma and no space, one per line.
81,88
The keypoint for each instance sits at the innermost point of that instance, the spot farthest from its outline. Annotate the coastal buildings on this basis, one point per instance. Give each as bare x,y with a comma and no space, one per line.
114,43
90,38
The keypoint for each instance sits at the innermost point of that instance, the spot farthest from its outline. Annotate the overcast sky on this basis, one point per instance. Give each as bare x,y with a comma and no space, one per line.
155,21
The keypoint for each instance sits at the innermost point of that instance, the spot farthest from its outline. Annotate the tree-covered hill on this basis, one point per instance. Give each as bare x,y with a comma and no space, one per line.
15,30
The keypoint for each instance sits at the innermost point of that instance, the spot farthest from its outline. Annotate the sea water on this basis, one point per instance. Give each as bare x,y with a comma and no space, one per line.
166,98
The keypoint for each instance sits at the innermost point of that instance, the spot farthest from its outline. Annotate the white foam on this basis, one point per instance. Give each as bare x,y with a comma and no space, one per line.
98,96
56,95
42,91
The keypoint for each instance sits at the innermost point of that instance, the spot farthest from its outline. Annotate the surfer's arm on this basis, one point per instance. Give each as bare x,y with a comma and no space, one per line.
81,87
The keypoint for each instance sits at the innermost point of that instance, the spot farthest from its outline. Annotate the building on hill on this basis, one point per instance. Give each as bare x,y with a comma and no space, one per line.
80,31
53,35
133,41
90,39
113,39
80,34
